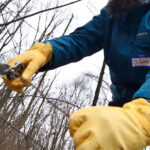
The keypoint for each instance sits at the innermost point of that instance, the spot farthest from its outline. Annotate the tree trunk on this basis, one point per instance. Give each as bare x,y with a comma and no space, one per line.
97,91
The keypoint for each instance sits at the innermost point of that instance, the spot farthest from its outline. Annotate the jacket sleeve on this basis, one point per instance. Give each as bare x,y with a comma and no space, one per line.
84,41
144,90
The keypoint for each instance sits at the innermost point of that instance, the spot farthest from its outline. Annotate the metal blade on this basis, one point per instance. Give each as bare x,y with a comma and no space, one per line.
4,68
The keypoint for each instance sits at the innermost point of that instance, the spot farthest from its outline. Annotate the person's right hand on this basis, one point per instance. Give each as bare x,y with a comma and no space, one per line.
34,58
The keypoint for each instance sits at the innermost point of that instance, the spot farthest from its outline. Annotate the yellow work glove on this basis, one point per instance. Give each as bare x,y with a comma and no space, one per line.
34,58
112,128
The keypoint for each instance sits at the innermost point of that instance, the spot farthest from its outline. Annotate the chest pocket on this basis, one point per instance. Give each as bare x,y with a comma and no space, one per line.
142,39
142,42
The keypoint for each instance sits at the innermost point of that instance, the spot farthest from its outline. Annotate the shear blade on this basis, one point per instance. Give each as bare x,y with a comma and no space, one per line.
3,69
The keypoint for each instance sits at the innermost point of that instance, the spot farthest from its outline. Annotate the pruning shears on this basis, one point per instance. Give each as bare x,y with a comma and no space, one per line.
12,72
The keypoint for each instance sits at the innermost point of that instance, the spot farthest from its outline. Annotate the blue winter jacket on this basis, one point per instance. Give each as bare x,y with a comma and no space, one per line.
124,38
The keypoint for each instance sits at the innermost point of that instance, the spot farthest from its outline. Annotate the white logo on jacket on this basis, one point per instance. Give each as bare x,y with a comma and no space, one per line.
142,34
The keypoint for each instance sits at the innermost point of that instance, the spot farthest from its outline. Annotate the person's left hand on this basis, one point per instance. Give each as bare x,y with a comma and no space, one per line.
112,128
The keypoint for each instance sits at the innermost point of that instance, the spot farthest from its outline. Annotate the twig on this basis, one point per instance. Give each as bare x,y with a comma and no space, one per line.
41,93
51,98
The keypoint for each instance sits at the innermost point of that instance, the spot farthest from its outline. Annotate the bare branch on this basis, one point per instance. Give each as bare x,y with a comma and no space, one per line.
4,5
36,13
68,24
17,130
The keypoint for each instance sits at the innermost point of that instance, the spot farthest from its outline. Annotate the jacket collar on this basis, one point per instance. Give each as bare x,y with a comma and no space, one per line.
130,20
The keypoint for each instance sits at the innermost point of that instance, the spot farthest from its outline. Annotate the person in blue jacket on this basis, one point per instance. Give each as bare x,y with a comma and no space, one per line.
122,30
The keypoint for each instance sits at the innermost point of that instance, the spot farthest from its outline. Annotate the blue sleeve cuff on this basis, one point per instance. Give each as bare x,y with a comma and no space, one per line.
144,90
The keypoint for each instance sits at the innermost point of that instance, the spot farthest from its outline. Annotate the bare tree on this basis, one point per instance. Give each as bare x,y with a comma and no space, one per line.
28,121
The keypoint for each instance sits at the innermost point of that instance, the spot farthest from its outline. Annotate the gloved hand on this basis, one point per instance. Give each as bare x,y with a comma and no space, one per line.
112,128
37,56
